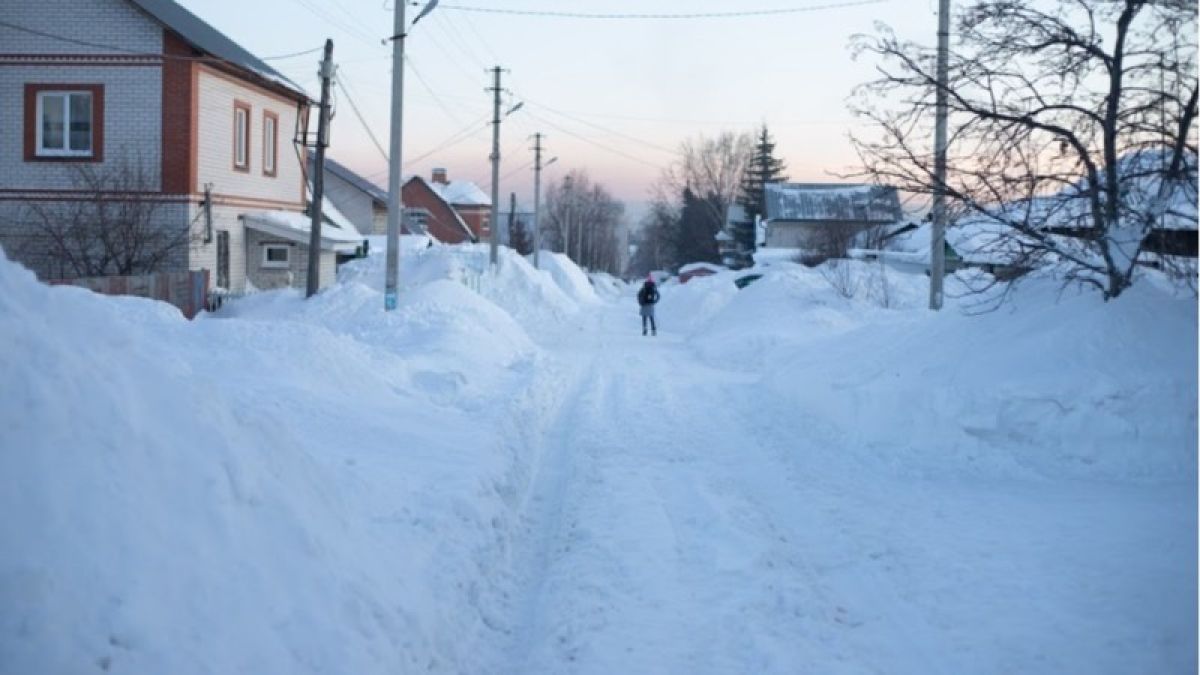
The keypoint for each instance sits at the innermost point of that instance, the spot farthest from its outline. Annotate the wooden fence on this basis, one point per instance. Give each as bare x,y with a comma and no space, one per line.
186,290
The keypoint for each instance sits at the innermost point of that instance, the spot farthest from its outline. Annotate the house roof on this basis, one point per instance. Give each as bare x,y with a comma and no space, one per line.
462,193
831,202
296,226
345,173
458,221
208,39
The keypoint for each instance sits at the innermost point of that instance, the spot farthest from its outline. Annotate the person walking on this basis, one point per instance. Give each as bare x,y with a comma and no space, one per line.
647,298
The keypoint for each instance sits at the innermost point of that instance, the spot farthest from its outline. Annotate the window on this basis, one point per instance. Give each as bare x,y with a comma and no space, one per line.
270,142
276,256
416,219
64,122
241,136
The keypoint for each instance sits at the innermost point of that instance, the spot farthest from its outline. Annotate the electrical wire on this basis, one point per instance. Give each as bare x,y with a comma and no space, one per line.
590,141
354,107
648,144
640,16
292,55
112,48
436,99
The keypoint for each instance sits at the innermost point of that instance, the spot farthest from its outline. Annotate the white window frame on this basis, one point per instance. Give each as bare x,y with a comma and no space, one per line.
267,263
40,149
270,143
241,146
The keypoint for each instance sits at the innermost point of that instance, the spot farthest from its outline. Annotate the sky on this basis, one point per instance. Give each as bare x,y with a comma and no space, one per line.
614,97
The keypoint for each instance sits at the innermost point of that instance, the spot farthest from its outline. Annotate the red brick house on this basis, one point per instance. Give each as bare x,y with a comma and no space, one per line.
451,212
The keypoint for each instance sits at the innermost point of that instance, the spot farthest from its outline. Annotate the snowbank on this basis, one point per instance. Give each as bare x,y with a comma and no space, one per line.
1055,383
532,297
570,278
789,307
251,495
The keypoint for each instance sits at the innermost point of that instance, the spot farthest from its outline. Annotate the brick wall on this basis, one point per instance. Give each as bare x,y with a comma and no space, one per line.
109,22
442,224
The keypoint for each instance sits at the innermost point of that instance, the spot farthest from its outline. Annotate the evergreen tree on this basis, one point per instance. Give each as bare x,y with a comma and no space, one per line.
519,237
764,168
697,228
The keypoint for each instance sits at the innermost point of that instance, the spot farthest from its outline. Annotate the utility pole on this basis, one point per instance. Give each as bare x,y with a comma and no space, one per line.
493,244
395,205
937,251
512,217
537,198
318,175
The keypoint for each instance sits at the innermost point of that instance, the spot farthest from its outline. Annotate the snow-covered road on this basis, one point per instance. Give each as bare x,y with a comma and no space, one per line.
679,523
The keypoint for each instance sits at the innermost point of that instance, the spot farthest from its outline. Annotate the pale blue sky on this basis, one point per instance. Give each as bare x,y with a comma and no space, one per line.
633,88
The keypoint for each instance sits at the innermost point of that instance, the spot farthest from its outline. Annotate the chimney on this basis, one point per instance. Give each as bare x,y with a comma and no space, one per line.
439,176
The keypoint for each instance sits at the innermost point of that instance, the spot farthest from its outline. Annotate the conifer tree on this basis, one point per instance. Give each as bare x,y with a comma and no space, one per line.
764,168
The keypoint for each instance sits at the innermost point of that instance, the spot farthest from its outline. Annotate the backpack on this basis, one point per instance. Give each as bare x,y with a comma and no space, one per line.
646,295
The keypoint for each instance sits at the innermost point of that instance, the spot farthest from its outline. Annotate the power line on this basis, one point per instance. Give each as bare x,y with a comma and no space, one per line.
602,146
354,107
292,55
111,48
524,166
637,16
458,137
437,99
661,148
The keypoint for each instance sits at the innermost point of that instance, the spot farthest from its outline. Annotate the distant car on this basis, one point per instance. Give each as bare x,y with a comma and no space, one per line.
742,282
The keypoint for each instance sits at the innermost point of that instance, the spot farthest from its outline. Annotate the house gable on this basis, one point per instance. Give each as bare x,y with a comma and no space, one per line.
443,222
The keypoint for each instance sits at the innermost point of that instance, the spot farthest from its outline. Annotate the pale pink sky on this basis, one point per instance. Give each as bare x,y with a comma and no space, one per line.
614,97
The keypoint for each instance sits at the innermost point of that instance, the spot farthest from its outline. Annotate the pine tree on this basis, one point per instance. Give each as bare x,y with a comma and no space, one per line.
764,168
698,224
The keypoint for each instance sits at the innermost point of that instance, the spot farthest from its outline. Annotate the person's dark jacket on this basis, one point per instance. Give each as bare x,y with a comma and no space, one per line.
649,294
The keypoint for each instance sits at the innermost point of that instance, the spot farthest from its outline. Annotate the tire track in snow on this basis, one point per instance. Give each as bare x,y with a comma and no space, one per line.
649,549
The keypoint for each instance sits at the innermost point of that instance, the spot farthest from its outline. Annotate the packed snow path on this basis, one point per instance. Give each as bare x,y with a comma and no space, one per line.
679,523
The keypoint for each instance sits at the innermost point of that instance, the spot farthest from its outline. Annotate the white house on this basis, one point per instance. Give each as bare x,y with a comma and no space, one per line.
107,84
804,215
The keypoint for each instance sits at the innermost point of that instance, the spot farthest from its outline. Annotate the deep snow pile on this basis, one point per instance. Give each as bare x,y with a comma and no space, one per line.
320,493
1053,383
533,297
319,486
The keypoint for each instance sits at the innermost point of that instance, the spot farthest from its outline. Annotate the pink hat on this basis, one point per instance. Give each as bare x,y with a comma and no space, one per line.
650,278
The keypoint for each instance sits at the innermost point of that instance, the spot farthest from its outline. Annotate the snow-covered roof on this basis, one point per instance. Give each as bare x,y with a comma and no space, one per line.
462,193
433,187
337,234
208,39
831,202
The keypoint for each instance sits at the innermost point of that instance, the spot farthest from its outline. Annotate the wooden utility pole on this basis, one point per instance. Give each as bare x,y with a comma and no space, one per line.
318,175
937,245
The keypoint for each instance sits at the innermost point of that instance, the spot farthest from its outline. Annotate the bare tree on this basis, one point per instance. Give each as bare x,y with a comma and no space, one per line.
709,167
1071,126
582,220
115,228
